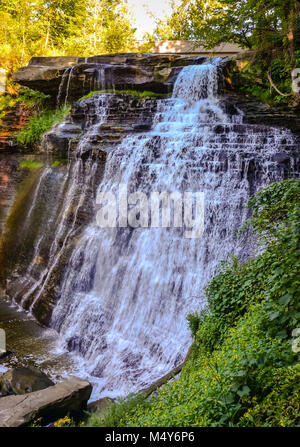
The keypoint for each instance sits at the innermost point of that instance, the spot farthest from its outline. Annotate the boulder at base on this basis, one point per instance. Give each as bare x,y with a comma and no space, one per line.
99,406
68,397
23,380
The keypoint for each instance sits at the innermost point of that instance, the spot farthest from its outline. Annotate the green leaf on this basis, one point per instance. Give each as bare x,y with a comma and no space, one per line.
274,315
244,391
285,299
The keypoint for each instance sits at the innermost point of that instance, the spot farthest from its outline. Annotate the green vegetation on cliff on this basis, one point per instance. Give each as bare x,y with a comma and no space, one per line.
41,116
139,94
30,99
40,123
244,368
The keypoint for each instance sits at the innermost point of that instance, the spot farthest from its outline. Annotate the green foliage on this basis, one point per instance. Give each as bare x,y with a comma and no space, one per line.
275,208
41,123
115,414
30,164
210,333
173,27
270,27
254,80
221,388
55,164
194,322
282,405
32,99
243,371
6,103
249,23
274,275
143,94
61,28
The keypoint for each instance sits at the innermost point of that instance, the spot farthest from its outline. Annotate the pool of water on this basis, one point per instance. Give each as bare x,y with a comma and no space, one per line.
33,345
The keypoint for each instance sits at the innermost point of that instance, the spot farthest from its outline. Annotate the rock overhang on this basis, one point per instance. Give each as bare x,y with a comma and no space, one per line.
121,71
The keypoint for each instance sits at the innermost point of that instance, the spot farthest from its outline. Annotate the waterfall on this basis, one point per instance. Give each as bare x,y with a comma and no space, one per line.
66,77
126,291
58,203
65,82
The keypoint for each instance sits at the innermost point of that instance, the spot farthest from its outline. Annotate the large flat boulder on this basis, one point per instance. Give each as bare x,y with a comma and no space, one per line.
44,73
67,397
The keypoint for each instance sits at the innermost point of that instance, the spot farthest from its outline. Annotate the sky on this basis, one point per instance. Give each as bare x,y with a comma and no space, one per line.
145,23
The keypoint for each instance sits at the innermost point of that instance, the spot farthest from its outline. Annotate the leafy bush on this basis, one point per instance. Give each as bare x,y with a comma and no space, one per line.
41,123
218,389
32,98
194,322
116,412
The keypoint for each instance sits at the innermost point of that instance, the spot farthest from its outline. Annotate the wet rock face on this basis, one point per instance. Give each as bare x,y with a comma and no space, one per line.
12,122
44,73
36,258
254,110
10,177
78,76
23,381
122,114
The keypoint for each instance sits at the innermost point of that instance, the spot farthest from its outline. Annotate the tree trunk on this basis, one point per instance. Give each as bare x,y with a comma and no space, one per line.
47,39
290,12
23,44
290,36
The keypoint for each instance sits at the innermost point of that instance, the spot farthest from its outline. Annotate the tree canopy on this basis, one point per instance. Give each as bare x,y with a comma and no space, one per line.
269,27
262,24
62,27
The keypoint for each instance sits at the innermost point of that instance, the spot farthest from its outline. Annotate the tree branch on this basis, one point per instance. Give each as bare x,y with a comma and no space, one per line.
274,86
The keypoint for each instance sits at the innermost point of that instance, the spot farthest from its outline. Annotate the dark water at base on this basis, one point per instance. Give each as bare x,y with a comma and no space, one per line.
31,344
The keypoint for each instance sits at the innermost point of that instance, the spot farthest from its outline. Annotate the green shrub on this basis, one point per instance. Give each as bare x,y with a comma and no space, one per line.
281,407
194,322
116,412
32,98
254,79
220,388
40,124
210,333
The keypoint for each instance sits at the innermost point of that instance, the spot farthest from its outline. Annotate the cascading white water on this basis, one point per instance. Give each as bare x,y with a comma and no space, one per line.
66,78
127,291
71,191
